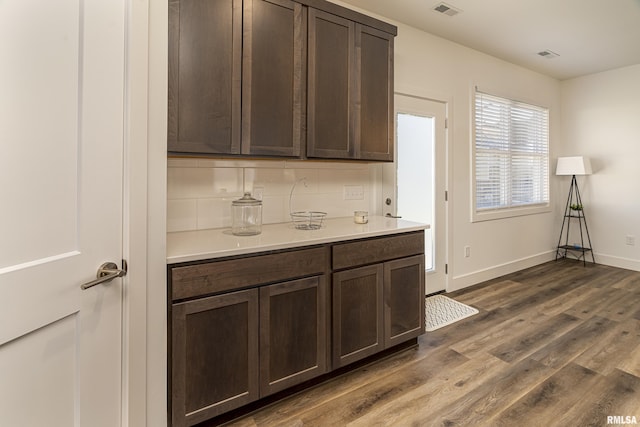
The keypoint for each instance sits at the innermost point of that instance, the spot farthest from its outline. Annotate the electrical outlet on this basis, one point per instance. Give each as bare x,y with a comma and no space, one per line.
467,251
353,192
630,240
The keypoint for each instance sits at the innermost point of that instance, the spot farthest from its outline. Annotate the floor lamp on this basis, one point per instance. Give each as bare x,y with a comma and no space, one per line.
578,165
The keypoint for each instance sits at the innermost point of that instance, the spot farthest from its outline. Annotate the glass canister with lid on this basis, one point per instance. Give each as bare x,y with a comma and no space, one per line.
246,216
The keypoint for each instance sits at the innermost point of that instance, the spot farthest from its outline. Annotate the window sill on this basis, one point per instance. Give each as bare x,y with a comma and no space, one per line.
493,214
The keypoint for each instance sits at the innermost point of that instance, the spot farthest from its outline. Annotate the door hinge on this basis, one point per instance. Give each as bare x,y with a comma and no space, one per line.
446,123
446,269
446,196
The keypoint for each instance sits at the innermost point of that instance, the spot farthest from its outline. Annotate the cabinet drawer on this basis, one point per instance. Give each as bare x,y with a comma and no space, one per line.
377,250
221,276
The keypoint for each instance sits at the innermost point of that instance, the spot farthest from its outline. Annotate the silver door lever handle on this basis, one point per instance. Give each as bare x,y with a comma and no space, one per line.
106,273
388,215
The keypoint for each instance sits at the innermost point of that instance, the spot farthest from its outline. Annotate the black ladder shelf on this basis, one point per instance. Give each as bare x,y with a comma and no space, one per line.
574,209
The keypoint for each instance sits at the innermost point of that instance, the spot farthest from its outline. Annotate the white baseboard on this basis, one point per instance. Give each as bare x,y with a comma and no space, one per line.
614,261
470,279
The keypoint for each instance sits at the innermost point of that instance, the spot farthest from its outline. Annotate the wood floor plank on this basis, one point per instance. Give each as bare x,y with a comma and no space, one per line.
488,399
611,276
528,341
631,282
392,388
568,300
469,327
543,293
618,395
487,338
611,348
418,406
631,363
507,297
548,402
350,383
585,309
482,297
570,345
618,305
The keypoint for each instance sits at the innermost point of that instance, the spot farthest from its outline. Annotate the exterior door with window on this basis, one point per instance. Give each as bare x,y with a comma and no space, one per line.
415,184
61,115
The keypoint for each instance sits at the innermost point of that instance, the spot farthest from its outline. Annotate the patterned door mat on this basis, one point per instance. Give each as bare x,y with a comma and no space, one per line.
442,311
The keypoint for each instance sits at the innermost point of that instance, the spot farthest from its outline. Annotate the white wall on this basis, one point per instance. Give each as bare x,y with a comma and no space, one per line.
431,67
601,119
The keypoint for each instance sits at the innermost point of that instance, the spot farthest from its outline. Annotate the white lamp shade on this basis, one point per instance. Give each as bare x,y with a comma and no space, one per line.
577,165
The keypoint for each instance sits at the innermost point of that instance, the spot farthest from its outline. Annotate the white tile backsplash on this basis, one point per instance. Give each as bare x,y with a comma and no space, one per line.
200,191
182,215
214,212
279,182
333,181
199,183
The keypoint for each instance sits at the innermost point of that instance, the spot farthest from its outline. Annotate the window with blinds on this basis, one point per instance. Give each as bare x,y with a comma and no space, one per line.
511,158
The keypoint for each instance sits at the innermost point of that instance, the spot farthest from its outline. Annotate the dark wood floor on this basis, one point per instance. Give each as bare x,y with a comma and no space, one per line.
554,345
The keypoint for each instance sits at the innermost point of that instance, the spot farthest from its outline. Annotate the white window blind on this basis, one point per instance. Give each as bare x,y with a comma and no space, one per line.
511,153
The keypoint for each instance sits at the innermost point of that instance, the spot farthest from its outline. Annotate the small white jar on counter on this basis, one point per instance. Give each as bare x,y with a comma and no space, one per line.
361,217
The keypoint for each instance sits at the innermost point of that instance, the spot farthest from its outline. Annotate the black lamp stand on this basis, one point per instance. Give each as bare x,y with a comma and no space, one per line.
576,251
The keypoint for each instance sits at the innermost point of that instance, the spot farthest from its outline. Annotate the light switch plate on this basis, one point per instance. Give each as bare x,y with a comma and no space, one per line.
353,192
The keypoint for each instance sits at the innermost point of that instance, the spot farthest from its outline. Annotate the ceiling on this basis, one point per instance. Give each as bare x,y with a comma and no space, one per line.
588,35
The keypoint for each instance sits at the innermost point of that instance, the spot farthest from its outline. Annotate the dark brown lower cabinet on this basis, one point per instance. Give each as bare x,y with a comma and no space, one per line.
293,333
404,288
377,307
232,349
214,356
357,314
243,328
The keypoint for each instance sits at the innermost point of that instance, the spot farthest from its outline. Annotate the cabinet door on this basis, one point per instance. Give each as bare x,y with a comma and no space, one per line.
205,42
403,299
374,106
293,333
357,314
214,356
274,77
330,88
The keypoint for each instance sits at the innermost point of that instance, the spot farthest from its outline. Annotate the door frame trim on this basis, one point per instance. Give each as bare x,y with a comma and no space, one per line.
418,93
144,347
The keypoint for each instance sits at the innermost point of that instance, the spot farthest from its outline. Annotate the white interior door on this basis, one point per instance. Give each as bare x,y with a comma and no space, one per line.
414,185
61,178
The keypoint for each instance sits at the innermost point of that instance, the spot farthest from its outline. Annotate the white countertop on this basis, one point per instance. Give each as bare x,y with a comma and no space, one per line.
199,245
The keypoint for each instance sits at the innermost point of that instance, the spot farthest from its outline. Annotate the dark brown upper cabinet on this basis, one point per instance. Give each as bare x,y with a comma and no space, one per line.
273,78
279,78
331,89
374,102
237,77
350,90
205,67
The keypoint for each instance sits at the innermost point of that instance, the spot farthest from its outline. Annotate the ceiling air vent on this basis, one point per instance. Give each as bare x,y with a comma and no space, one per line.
446,9
548,54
